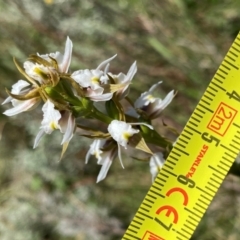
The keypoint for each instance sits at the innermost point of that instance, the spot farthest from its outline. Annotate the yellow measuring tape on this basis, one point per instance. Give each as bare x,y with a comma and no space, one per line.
198,163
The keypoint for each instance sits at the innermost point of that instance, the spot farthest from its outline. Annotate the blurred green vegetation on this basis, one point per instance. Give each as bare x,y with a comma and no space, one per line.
181,42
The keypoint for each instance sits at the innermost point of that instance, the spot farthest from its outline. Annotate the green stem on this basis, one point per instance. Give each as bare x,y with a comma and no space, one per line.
155,138
100,116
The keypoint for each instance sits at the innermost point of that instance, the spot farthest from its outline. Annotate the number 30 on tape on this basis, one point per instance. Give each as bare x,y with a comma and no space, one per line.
198,163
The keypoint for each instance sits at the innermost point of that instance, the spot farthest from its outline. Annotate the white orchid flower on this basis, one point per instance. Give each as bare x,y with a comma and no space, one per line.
95,149
93,81
156,163
52,120
90,80
19,106
37,71
121,78
151,105
105,158
121,132
62,60
40,72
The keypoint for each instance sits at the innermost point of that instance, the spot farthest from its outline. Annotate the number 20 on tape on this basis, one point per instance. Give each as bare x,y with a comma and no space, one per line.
198,162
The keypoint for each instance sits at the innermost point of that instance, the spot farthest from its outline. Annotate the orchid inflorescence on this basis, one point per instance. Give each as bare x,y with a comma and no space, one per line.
69,97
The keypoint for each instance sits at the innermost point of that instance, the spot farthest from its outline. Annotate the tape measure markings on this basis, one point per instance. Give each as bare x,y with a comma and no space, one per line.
144,209
187,163
231,52
170,173
181,145
177,154
230,150
180,150
169,167
194,124
237,44
227,56
215,90
236,138
194,130
212,94
134,227
236,125
157,188
234,147
218,80
198,115
226,66
180,139
225,164
233,58
174,159
206,102
160,184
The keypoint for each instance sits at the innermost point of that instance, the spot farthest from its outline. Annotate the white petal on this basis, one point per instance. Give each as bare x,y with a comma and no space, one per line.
121,132
106,69
88,155
16,89
33,69
95,149
102,97
154,87
120,78
22,106
167,100
67,56
91,150
104,63
82,77
132,71
146,98
18,86
159,105
142,100
70,129
51,117
104,169
120,155
85,78
143,123
38,138
7,100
